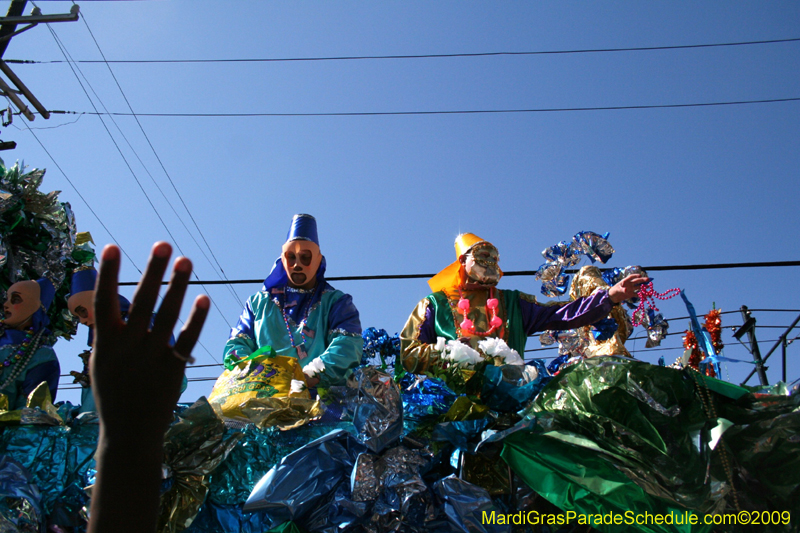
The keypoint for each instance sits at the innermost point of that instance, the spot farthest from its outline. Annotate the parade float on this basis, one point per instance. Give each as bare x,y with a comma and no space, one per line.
479,443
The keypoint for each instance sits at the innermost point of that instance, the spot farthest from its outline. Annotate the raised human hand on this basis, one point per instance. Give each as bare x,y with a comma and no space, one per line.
626,288
136,375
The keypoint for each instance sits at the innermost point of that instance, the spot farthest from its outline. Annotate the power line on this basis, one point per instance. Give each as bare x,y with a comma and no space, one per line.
158,158
426,56
92,211
125,160
661,268
440,112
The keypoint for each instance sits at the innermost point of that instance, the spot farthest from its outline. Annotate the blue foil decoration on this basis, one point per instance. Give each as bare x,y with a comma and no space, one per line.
703,337
20,501
506,389
424,399
380,349
604,329
305,479
465,505
596,247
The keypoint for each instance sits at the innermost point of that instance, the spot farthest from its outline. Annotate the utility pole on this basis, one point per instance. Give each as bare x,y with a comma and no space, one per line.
8,29
749,327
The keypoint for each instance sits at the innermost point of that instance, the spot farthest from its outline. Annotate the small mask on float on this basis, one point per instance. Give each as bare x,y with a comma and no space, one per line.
23,299
301,260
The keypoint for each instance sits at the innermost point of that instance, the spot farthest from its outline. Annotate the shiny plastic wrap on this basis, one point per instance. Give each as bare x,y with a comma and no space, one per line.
257,451
283,413
215,518
596,247
38,238
306,478
616,435
376,407
462,434
380,349
608,336
424,400
20,508
509,388
193,447
465,505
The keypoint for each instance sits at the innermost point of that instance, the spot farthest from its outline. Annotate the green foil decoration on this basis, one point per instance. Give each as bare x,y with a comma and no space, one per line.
617,435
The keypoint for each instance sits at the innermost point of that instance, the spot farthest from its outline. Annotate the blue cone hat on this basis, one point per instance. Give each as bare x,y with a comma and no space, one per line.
83,280
303,228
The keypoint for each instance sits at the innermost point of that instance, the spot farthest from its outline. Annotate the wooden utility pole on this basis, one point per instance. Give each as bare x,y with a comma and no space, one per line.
8,29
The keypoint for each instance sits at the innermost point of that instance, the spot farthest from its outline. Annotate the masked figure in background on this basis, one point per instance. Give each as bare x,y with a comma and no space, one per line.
298,314
468,319
81,304
26,349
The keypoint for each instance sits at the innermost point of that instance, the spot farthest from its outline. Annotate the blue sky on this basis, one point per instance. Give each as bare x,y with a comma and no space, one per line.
673,186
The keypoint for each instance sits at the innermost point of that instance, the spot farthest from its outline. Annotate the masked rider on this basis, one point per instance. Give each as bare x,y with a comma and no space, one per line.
300,315
466,306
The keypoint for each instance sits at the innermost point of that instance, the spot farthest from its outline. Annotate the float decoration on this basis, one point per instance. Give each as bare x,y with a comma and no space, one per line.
38,239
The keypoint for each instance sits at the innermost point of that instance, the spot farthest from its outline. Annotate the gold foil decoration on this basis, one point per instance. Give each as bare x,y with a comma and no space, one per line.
587,281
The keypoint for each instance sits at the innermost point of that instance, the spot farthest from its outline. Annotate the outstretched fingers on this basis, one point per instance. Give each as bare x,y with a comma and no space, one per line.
144,299
170,308
191,330
106,302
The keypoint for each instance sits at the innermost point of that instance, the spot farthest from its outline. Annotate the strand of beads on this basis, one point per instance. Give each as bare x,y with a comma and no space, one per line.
22,357
647,295
15,356
491,305
304,317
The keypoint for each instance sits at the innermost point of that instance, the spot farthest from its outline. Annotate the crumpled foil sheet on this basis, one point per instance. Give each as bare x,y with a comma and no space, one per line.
371,402
38,238
377,408
193,447
615,434
465,505
424,400
20,507
283,413
509,388
305,477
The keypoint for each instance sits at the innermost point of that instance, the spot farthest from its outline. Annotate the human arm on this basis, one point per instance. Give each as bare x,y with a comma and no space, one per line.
131,361
344,343
418,340
580,312
242,341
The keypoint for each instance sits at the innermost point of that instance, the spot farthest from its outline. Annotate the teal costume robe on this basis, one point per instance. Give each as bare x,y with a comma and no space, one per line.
43,366
332,329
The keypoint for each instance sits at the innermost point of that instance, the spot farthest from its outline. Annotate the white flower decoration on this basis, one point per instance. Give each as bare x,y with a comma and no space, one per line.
496,347
314,367
461,354
441,345
298,386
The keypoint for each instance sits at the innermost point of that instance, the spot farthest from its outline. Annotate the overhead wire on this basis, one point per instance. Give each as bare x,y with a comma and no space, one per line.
441,112
656,268
96,216
125,160
431,56
166,173
83,199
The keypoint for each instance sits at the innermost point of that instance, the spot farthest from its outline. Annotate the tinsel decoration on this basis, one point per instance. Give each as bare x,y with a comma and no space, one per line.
697,355
713,325
38,239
